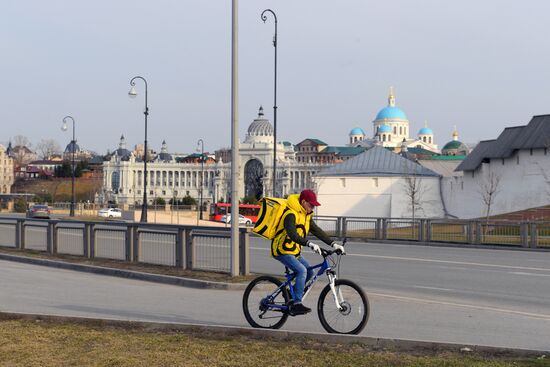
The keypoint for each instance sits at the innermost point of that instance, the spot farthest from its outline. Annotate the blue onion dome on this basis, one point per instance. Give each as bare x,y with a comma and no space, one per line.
384,129
357,131
425,131
391,112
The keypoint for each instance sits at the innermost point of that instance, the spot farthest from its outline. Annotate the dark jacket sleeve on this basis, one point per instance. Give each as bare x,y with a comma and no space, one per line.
290,228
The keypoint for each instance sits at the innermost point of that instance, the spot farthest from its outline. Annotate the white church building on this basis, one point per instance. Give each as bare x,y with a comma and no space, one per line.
514,168
379,183
391,129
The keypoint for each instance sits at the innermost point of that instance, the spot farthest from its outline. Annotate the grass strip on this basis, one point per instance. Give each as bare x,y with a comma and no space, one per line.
48,343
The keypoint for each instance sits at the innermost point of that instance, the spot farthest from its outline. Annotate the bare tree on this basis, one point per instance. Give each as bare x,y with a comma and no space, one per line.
414,192
21,150
413,189
22,141
47,148
489,188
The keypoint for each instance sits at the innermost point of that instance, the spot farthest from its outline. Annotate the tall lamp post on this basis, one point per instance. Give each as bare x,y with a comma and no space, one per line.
201,143
73,148
132,93
264,18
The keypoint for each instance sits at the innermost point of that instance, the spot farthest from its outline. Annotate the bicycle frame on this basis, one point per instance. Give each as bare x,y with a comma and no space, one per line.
324,267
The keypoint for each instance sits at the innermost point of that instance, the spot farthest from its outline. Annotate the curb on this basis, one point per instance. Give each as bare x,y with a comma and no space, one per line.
129,274
372,343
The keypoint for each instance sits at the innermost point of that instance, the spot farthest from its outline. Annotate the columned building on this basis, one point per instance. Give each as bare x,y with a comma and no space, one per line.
167,178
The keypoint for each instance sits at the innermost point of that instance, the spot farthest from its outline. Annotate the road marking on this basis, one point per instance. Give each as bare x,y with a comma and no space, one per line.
440,261
464,305
435,288
531,274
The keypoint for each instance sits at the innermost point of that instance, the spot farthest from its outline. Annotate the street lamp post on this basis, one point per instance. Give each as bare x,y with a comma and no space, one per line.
73,148
132,93
201,143
264,18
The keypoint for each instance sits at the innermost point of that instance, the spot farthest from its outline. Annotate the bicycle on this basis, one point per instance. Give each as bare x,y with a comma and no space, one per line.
347,312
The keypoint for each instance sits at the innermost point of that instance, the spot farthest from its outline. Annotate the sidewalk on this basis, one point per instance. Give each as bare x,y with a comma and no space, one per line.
139,271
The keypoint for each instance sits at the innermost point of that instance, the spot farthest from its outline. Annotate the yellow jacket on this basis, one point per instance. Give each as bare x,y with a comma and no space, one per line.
282,244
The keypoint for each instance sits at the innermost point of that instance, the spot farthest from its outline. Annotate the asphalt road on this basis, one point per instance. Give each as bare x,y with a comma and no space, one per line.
473,296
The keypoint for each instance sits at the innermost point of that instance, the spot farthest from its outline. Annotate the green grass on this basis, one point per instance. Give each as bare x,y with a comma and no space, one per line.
40,343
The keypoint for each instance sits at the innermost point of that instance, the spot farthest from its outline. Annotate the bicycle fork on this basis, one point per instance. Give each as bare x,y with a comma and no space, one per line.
336,294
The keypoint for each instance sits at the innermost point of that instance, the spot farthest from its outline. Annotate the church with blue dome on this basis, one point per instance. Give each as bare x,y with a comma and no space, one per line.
391,129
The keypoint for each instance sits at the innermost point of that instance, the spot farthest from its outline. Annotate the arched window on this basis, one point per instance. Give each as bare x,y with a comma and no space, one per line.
400,130
395,129
384,137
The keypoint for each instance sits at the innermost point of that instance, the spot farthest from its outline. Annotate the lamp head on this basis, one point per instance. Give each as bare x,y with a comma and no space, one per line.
64,126
132,93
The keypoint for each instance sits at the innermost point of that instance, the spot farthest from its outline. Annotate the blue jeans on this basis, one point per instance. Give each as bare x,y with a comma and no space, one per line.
298,265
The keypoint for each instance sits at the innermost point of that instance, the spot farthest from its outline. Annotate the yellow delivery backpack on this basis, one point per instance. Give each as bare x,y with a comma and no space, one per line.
270,215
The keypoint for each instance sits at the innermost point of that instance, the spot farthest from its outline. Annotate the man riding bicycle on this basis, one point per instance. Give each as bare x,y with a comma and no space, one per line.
292,230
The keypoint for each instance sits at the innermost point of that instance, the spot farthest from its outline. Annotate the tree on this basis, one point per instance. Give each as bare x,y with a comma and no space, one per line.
47,148
249,200
21,141
488,189
20,149
64,170
413,190
159,201
188,200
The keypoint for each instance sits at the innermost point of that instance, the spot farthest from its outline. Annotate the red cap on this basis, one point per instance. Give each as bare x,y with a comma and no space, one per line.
310,197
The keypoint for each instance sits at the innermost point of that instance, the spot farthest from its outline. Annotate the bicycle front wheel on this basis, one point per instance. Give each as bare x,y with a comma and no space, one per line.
353,315
263,301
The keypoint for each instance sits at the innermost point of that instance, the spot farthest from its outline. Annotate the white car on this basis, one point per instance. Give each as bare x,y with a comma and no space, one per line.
242,219
110,213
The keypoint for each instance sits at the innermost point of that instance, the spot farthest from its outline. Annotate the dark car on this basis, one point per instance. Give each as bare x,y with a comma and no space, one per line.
38,211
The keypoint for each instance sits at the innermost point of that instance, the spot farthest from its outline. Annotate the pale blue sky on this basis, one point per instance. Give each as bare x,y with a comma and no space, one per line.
480,65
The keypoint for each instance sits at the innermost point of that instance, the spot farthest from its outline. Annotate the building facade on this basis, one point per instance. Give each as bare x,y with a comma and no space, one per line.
391,129
170,178
515,166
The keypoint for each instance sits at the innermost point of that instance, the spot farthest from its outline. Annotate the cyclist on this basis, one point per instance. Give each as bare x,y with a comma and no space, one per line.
293,228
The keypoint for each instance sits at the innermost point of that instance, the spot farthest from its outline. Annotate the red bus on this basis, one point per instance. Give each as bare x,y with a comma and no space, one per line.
217,210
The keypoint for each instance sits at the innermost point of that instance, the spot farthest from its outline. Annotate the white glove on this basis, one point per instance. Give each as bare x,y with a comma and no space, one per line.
338,247
315,248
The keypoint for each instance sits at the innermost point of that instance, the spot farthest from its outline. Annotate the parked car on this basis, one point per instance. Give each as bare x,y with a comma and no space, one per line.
110,213
242,219
39,211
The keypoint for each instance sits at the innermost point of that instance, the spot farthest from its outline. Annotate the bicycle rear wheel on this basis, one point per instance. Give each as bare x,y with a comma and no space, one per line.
353,315
258,299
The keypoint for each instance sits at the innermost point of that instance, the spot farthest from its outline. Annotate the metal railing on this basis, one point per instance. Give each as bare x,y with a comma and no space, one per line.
475,232
185,247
